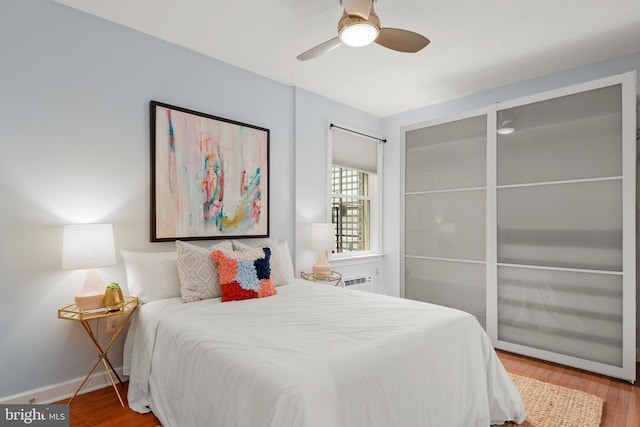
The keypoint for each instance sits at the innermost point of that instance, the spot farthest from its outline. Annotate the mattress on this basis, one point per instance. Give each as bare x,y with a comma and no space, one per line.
315,356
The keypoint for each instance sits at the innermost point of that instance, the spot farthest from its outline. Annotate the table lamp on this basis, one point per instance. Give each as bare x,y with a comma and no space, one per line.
323,239
88,246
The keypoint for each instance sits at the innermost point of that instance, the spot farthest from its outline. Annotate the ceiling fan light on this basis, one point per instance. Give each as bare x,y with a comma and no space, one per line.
359,34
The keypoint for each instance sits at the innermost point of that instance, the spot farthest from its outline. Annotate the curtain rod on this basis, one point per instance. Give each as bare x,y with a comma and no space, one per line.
331,126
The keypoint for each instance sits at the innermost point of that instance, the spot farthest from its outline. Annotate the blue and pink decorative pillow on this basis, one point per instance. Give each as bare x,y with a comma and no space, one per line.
244,275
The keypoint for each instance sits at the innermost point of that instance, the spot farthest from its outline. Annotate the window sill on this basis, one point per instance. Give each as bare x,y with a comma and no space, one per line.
356,259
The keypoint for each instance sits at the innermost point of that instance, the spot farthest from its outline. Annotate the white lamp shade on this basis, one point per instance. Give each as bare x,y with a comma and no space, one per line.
88,246
323,237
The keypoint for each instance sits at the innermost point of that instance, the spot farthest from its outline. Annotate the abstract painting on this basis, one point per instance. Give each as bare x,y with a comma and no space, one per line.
209,176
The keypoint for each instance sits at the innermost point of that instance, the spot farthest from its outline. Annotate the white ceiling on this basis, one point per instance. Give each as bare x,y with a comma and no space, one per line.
475,45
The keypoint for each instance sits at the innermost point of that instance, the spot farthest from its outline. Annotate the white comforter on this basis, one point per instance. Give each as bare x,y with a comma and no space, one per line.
316,356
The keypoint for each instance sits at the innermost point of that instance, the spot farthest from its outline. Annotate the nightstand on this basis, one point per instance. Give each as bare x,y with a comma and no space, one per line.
334,279
72,312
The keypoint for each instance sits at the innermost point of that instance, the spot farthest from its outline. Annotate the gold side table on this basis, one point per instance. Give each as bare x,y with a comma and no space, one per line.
72,312
333,279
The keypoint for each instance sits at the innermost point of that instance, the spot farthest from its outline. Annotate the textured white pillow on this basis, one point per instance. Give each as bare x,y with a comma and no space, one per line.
197,272
281,265
151,275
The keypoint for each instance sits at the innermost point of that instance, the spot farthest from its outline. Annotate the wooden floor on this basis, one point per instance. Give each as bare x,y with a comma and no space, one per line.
621,409
621,399
101,408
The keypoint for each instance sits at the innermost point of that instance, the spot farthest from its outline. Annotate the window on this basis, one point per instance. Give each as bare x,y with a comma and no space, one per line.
350,209
355,193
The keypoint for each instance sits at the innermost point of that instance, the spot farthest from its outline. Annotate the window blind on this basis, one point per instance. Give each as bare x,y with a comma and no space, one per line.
353,151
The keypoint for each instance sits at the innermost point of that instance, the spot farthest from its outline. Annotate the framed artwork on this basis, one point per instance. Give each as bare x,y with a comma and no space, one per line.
209,176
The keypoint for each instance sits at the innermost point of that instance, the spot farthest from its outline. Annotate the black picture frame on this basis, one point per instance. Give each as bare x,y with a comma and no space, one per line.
209,176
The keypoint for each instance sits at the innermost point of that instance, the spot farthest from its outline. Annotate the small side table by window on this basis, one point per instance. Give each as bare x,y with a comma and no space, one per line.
71,312
334,279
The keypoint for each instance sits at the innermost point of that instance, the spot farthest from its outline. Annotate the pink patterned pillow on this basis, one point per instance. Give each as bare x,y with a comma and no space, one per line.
244,275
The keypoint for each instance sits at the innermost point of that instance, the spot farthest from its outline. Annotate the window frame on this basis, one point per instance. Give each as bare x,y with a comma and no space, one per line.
375,200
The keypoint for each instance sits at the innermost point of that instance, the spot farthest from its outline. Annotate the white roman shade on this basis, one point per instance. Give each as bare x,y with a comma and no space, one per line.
353,151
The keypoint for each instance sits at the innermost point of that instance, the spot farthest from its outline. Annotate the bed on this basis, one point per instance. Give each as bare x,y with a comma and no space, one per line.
314,355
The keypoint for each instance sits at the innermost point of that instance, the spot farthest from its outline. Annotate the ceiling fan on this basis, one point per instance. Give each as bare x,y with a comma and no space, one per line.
360,26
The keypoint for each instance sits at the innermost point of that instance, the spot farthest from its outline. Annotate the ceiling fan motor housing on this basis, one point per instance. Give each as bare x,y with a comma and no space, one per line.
348,20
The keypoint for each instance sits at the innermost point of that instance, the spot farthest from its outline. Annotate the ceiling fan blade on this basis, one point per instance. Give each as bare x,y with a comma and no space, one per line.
359,8
401,40
322,48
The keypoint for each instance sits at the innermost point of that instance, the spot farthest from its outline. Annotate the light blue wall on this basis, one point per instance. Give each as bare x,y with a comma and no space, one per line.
313,115
74,102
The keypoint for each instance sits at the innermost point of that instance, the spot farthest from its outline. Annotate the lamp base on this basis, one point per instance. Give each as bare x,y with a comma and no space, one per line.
91,295
89,301
322,268
321,272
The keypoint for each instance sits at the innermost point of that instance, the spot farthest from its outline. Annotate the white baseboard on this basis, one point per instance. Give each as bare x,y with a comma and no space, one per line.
61,391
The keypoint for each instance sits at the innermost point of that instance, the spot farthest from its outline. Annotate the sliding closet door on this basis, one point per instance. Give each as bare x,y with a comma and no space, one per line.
524,214
563,227
445,214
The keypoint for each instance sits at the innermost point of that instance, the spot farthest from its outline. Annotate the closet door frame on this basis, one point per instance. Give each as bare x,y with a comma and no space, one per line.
404,130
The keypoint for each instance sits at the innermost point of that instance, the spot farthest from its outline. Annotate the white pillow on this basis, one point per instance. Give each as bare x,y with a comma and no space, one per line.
151,275
197,272
281,265
285,260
